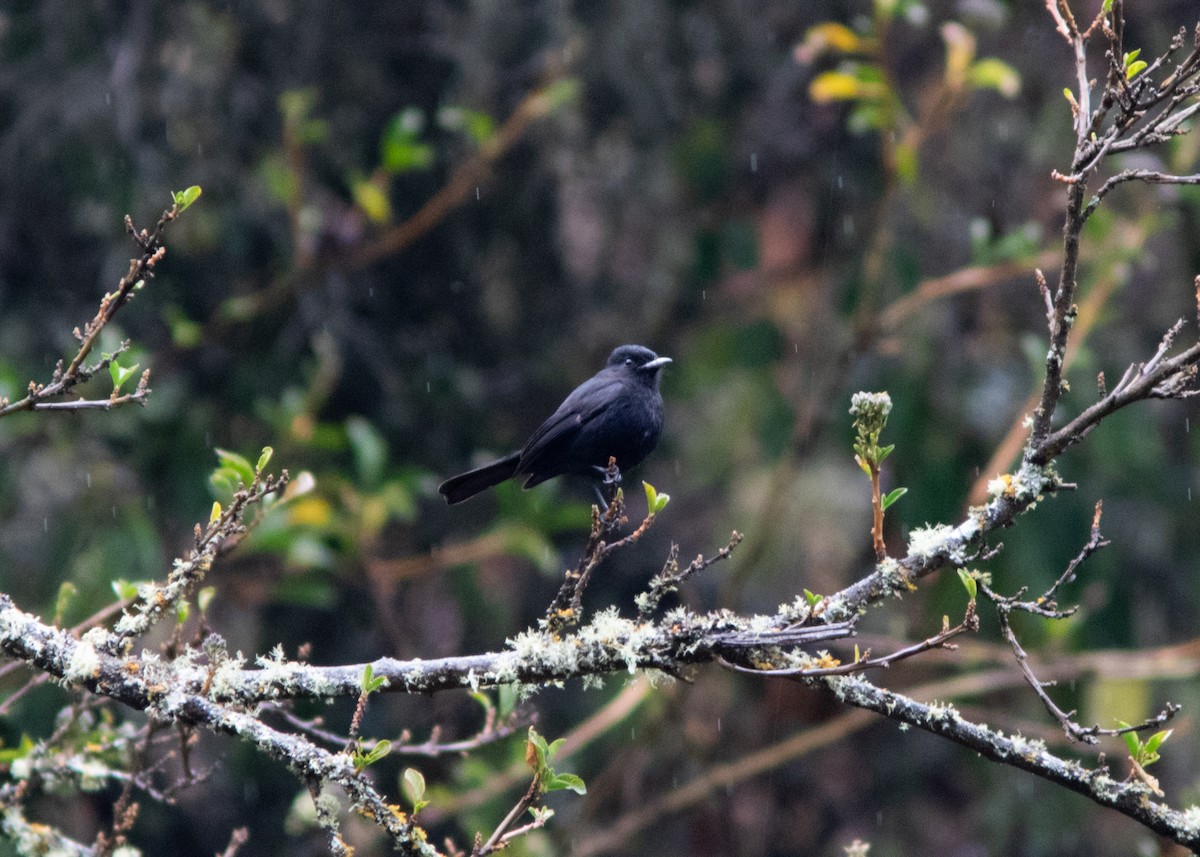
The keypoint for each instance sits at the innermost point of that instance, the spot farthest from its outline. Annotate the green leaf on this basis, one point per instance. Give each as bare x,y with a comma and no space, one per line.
184,198
371,682
215,514
884,452
1134,69
993,73
66,591
371,199
509,695
414,788
1130,738
124,589
400,146
1106,7
1155,741
369,449
182,610
204,597
891,497
1130,56
655,502
365,758
812,598
264,459
238,464
120,374
969,583
559,782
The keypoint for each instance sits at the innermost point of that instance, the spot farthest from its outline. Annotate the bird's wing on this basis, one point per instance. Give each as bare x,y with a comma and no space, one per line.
586,402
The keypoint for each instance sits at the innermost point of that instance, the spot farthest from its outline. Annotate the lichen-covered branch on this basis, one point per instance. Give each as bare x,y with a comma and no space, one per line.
1132,798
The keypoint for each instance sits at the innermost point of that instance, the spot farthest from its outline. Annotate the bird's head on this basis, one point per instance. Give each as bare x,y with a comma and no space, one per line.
637,359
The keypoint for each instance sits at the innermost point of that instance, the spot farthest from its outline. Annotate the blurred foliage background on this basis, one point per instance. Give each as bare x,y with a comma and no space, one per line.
423,223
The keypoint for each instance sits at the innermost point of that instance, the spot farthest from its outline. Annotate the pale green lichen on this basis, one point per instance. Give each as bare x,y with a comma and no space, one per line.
1189,821
83,665
925,542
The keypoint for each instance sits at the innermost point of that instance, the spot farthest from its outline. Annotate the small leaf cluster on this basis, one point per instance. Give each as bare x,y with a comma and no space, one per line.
1144,753
538,755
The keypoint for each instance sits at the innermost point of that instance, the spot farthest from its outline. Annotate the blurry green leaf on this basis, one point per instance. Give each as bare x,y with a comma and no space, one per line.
11,754
564,92
867,116
400,146
475,124
296,104
277,177
369,449
828,37
371,199
812,598
237,463
264,459
508,695
182,610
960,50
204,597
215,514
906,162
1106,7
66,592
184,198
834,86
993,73
185,333
125,589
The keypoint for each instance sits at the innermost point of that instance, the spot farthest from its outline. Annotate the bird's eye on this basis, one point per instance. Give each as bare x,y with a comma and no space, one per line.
628,361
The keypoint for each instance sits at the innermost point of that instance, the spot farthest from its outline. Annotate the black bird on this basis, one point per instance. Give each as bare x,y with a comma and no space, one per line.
618,412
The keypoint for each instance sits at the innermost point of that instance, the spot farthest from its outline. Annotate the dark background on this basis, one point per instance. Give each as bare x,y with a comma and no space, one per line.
684,192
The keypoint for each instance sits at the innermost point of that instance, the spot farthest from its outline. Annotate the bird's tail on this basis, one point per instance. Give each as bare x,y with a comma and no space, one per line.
467,485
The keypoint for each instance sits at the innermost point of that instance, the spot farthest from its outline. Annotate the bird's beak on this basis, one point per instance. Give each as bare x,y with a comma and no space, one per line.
656,363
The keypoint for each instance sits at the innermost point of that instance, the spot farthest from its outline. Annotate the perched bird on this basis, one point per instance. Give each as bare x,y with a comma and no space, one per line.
618,412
